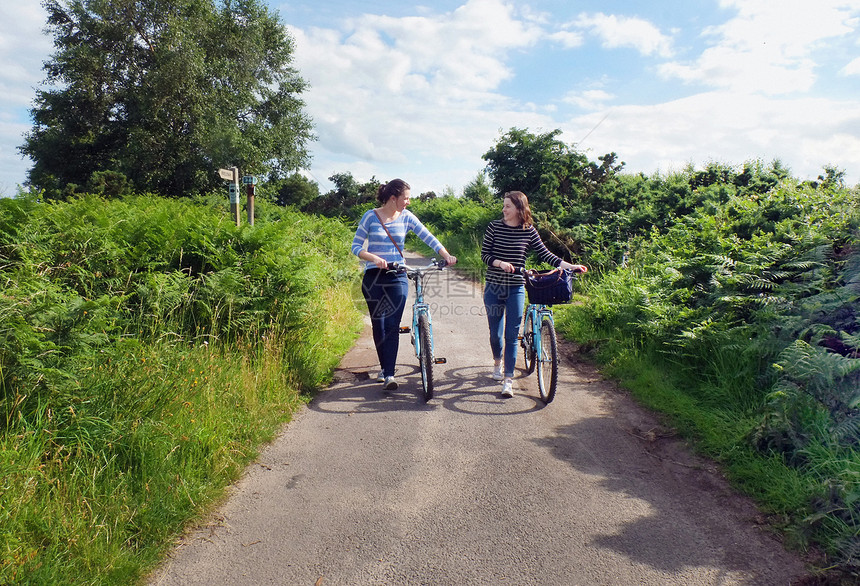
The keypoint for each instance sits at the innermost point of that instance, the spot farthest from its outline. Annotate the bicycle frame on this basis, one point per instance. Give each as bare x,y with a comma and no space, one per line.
540,347
538,312
422,323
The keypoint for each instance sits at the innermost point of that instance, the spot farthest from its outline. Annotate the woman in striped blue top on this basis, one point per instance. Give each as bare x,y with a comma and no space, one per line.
504,248
378,241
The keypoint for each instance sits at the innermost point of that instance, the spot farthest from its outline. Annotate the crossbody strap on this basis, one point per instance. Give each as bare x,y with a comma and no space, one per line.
389,234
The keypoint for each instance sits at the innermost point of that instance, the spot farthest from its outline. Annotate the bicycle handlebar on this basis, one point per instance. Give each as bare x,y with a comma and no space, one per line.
434,264
524,271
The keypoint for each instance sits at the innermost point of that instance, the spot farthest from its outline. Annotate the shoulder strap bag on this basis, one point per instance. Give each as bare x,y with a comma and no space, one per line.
389,234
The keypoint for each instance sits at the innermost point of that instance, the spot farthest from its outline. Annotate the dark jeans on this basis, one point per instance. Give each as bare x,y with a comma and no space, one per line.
385,294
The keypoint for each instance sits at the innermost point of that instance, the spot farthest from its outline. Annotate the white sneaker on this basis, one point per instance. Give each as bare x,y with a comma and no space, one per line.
390,384
497,373
508,389
380,378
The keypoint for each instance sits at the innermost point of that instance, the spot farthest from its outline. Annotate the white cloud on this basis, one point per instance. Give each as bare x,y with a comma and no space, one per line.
620,31
589,99
422,94
399,90
727,127
23,48
853,68
768,46
568,39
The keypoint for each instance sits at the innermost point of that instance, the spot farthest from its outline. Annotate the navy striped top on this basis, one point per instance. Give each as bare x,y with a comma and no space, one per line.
370,230
511,244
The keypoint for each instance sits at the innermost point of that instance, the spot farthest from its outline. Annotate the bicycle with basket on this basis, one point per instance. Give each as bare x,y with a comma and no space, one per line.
538,338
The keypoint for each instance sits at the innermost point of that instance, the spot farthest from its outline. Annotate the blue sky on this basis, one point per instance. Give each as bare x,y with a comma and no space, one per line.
421,91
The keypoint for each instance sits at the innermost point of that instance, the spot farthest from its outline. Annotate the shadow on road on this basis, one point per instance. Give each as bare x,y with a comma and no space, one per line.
466,390
670,493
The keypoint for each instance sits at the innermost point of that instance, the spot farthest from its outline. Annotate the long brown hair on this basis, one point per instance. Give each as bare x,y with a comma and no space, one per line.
521,202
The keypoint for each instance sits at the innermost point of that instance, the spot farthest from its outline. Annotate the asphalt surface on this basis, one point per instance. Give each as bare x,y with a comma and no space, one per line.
371,487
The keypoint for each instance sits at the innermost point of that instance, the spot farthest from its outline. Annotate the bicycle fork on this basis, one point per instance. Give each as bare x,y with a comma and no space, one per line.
418,310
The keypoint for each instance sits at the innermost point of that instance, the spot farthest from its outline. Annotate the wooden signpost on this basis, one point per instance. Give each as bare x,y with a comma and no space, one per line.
232,175
249,181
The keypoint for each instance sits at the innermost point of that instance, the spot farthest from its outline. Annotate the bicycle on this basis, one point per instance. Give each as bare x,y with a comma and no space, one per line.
422,324
539,341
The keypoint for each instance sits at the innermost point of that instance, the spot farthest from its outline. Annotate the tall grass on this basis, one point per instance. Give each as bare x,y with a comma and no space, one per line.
147,348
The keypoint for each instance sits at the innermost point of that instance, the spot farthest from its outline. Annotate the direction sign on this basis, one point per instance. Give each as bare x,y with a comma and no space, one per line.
226,174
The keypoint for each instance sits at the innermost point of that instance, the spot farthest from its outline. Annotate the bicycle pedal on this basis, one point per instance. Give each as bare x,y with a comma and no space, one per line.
405,329
440,361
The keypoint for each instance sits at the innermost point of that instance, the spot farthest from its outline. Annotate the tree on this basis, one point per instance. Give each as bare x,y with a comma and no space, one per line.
478,190
347,198
520,159
833,178
165,92
295,190
547,170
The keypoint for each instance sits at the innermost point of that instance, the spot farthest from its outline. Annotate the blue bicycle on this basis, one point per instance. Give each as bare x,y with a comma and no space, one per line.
422,325
538,339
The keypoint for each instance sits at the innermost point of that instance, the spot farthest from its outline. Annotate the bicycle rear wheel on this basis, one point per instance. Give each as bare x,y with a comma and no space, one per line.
547,363
425,356
527,342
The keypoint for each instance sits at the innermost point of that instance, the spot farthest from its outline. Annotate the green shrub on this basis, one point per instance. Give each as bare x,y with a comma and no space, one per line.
147,347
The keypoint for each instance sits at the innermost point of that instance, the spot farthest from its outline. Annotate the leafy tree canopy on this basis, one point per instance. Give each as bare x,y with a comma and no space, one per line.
478,189
165,92
295,190
348,199
545,168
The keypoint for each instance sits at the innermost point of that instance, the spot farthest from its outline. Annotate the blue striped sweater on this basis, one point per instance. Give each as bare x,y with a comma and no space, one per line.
370,231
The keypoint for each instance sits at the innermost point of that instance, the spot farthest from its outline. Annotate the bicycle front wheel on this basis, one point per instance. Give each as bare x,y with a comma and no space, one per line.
528,343
425,356
547,362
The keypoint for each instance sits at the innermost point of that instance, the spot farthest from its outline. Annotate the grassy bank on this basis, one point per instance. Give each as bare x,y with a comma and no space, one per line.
147,348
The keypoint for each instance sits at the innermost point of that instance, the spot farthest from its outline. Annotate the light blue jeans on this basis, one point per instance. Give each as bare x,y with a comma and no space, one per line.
504,305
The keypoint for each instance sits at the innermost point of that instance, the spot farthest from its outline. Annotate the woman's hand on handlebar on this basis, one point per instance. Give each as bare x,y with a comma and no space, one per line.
574,268
450,259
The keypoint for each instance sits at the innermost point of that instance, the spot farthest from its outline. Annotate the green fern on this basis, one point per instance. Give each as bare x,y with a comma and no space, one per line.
831,379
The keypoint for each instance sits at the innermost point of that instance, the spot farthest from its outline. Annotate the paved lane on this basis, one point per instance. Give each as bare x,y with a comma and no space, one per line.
368,487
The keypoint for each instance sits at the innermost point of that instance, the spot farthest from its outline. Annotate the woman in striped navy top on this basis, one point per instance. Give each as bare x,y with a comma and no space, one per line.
504,248
386,292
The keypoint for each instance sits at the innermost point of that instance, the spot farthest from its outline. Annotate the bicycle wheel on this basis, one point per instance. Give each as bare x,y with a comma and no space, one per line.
547,363
527,342
425,355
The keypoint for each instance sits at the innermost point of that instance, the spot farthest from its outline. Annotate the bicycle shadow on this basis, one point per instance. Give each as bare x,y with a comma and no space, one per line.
468,390
355,392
